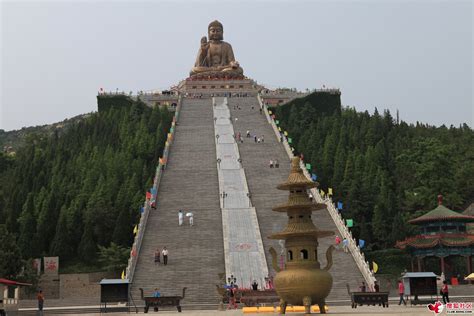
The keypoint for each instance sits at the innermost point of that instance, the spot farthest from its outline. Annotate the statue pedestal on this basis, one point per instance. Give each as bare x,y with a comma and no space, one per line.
217,87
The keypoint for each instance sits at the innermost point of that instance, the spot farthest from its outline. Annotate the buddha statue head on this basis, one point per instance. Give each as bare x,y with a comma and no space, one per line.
215,31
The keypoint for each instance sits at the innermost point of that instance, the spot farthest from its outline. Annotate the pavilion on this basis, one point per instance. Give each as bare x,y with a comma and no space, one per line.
442,234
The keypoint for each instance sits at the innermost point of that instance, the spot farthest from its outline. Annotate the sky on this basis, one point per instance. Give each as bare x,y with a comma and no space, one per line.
412,56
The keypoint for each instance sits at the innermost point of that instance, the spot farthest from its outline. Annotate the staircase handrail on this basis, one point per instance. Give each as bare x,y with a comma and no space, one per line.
355,251
137,243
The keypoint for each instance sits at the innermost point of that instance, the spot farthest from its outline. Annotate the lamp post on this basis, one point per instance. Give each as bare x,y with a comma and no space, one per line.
217,138
223,195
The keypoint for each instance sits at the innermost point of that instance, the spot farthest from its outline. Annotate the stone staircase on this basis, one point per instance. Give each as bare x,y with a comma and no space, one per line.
262,182
190,183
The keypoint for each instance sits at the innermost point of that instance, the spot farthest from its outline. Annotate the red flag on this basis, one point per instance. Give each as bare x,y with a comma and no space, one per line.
148,195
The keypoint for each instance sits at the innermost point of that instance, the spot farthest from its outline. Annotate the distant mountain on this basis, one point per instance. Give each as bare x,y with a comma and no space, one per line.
12,140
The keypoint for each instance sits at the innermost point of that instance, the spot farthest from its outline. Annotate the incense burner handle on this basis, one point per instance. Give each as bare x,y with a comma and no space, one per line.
329,258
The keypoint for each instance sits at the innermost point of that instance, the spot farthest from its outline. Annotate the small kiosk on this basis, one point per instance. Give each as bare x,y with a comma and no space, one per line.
114,291
420,283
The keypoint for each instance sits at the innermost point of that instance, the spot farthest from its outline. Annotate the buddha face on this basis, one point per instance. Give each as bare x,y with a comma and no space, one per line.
216,33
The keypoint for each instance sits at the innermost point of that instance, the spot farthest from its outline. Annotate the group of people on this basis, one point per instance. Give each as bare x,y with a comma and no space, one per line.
189,215
345,243
274,164
158,254
363,287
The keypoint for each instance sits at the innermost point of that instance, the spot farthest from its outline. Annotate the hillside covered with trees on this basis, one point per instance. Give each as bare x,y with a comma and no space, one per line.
70,193
385,172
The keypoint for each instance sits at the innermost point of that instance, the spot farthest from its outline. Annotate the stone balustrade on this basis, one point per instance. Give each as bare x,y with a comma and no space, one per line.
358,256
132,261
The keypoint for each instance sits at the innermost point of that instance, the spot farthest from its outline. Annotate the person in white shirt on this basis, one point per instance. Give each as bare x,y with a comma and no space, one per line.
164,252
180,217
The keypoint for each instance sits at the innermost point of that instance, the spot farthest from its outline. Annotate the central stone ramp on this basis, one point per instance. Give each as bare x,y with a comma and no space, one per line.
243,248
262,182
190,183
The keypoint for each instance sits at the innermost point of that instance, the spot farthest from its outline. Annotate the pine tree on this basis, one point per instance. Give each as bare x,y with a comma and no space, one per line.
10,264
27,223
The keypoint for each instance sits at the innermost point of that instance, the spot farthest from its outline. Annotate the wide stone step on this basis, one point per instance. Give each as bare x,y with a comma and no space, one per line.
262,181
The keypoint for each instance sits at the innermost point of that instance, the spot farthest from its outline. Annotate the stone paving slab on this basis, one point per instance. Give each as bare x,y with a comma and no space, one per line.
243,246
333,310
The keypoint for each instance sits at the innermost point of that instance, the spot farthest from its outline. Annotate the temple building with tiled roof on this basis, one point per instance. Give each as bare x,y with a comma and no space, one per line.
443,233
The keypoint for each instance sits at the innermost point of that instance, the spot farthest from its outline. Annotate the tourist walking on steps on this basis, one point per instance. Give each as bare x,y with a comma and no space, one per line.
180,217
345,244
338,241
157,256
401,292
191,218
445,292
40,298
248,133
164,252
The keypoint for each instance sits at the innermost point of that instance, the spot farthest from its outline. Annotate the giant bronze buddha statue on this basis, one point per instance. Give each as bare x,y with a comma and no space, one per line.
215,57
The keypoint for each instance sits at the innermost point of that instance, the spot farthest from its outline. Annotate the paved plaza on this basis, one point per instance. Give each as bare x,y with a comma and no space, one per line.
333,310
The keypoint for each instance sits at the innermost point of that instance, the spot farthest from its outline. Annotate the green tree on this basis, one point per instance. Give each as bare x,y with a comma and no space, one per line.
11,263
114,258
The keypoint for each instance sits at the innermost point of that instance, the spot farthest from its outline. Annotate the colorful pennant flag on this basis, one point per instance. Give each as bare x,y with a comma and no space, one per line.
361,243
375,267
279,128
277,122
167,144
135,230
270,112
308,166
349,223
330,191
286,133
142,209
148,195
273,116
123,274
322,192
292,149
289,140
339,205
314,177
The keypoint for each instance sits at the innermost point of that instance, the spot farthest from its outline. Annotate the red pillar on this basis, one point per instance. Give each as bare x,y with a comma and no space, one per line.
442,265
469,266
